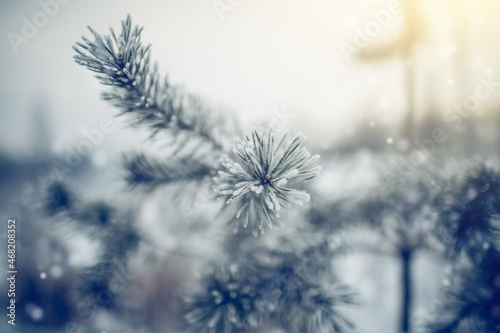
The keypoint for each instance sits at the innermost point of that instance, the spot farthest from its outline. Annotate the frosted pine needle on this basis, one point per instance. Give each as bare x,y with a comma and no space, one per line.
220,304
271,161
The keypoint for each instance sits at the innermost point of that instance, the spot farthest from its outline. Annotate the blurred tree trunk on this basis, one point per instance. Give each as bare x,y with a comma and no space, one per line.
414,29
409,126
406,283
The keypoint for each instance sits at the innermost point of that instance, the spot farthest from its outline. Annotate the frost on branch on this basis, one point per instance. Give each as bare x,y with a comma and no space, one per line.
123,63
149,174
221,304
197,134
259,186
285,287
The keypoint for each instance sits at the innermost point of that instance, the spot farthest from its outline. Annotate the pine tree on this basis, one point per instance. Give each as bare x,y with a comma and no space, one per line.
255,279
253,182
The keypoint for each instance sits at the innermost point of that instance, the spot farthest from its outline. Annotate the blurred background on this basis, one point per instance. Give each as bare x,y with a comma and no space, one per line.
366,80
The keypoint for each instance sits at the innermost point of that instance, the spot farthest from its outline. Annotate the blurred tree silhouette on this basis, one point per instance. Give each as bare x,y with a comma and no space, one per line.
407,217
414,31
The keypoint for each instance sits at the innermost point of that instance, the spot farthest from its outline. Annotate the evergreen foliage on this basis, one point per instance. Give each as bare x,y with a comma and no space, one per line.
471,234
285,278
271,161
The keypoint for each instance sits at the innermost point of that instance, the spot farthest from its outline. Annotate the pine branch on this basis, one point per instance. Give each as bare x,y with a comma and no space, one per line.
148,173
241,297
222,303
471,222
114,229
471,231
291,284
271,161
123,63
58,198
473,300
